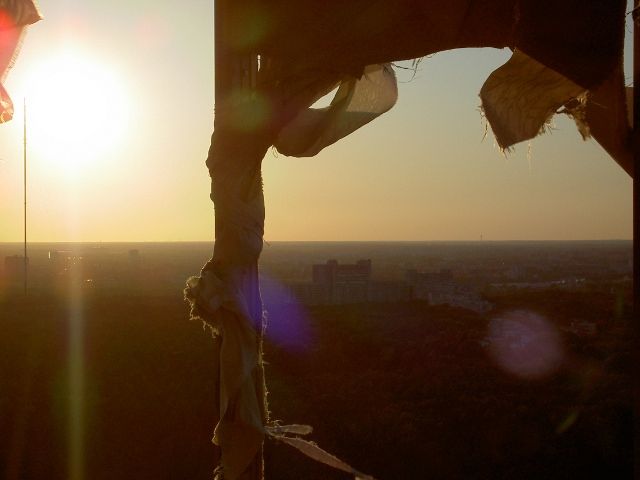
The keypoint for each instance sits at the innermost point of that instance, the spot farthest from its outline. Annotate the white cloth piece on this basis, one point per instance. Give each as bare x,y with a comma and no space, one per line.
357,102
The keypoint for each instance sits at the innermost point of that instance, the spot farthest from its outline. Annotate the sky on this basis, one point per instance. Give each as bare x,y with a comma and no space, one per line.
120,111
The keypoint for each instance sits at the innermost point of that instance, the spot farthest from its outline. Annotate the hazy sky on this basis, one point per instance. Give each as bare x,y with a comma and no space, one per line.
120,102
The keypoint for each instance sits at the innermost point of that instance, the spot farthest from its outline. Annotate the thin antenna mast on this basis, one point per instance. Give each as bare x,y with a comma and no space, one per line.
24,155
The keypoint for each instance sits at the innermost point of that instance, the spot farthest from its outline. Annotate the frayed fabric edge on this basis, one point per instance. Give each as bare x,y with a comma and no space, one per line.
205,297
574,109
310,449
196,311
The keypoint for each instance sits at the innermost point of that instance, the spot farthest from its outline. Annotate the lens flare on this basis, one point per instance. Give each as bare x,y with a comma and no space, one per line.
250,110
288,325
248,26
525,344
76,392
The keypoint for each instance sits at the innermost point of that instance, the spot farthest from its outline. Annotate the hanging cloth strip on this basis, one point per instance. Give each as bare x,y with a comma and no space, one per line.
357,102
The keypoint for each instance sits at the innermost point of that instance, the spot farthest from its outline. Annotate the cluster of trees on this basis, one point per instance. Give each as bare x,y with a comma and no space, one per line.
408,391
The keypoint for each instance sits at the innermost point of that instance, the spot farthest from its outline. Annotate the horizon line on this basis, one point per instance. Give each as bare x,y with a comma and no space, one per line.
267,242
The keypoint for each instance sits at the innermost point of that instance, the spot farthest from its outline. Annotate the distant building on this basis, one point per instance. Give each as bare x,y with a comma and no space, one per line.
440,288
61,261
346,283
381,292
338,284
571,283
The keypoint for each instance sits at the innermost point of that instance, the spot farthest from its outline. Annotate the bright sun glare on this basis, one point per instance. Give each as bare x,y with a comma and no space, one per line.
77,111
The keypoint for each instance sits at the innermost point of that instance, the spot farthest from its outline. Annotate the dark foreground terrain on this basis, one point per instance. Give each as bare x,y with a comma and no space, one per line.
402,391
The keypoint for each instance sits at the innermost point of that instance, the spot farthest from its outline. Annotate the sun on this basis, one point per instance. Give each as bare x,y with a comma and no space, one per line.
77,110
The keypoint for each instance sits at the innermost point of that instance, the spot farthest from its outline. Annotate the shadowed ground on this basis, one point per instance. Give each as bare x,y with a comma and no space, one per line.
398,391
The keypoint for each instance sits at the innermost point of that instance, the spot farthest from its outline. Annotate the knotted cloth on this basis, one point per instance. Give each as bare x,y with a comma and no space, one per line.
226,294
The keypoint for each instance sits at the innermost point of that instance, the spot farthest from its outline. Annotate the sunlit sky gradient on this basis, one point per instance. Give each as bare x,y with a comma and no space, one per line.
420,172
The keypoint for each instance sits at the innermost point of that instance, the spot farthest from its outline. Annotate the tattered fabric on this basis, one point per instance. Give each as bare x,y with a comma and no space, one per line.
564,51
577,43
15,15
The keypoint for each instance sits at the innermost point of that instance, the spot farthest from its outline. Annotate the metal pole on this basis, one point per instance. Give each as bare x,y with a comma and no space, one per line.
24,155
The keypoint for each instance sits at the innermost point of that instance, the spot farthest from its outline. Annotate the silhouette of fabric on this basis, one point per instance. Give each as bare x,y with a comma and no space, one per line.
240,429
222,295
226,297
521,96
563,49
15,15
282,433
357,102
580,39
609,118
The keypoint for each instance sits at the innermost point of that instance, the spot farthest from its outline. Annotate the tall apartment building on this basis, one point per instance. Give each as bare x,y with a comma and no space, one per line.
343,283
